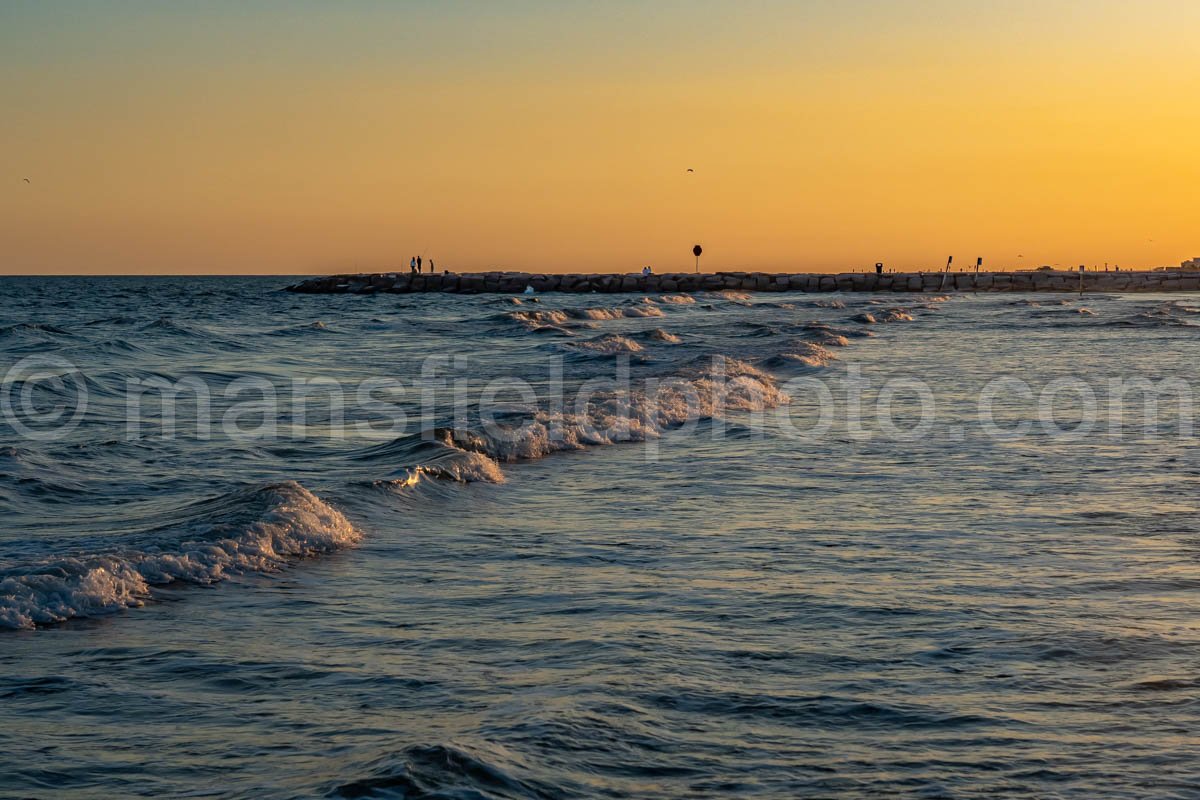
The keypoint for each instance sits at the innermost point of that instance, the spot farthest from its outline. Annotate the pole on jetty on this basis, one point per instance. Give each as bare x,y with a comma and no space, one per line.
1081,280
696,251
946,273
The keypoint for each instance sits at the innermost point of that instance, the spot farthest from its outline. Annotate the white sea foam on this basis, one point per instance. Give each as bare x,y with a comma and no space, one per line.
641,311
628,416
610,344
809,354
469,467
659,335
534,318
287,522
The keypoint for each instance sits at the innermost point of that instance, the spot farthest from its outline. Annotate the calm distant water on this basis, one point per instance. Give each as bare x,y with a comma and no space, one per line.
253,596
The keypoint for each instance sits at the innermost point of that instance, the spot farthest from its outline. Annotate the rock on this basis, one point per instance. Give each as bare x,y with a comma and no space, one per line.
515,282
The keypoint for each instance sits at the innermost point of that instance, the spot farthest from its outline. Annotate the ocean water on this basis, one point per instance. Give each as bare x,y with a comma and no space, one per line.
767,546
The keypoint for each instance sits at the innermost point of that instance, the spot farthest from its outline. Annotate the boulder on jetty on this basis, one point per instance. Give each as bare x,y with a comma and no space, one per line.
515,282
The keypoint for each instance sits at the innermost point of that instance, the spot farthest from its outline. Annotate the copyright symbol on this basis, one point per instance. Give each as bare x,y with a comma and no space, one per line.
43,397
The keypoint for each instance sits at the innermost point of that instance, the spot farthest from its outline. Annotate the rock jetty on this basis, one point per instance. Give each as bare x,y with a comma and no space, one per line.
516,282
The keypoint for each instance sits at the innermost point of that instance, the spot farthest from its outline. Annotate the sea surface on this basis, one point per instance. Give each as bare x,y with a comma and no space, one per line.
718,545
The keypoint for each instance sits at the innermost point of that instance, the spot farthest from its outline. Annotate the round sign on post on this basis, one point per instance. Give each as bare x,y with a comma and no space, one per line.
696,251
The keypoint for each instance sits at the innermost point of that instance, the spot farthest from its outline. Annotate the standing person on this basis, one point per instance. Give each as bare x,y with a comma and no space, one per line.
412,264
431,269
418,263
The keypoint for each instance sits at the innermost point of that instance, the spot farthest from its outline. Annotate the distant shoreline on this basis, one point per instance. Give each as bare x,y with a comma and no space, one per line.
517,282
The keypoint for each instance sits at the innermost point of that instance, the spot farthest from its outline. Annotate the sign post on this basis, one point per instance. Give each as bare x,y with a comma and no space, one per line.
946,273
696,251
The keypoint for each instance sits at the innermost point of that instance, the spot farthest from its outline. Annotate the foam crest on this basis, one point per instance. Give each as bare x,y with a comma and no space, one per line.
808,354
280,524
546,317
610,344
602,313
726,385
660,335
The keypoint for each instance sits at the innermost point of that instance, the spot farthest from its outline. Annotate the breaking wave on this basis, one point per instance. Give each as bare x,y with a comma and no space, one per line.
698,392
610,344
259,530
808,354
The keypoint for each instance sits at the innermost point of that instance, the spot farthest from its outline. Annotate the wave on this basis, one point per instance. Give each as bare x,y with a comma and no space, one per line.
620,312
411,458
557,330
428,455
169,325
698,392
298,330
258,530
119,320
829,338
1151,319
440,771
35,329
808,354
465,467
730,295
642,311
170,329
556,319
660,335
610,344
547,317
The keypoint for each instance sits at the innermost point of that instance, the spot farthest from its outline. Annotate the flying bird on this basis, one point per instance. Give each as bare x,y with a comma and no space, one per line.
691,170
27,180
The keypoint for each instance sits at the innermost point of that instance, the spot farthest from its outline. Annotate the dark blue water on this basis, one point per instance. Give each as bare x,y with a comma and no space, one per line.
597,547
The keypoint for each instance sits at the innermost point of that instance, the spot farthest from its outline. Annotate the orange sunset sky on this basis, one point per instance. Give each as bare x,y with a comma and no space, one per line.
307,137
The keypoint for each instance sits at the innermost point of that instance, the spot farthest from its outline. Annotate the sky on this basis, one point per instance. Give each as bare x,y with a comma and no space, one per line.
825,135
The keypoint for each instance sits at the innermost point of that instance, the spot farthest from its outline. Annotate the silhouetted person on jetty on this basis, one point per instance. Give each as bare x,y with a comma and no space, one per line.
412,265
418,263
431,266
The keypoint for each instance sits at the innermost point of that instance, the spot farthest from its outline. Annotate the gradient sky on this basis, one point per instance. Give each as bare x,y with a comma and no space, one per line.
313,137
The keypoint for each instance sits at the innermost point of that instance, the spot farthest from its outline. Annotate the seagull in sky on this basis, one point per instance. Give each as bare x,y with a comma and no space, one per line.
27,180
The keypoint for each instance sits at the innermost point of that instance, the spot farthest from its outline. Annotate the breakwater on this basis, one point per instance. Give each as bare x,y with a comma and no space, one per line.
516,282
